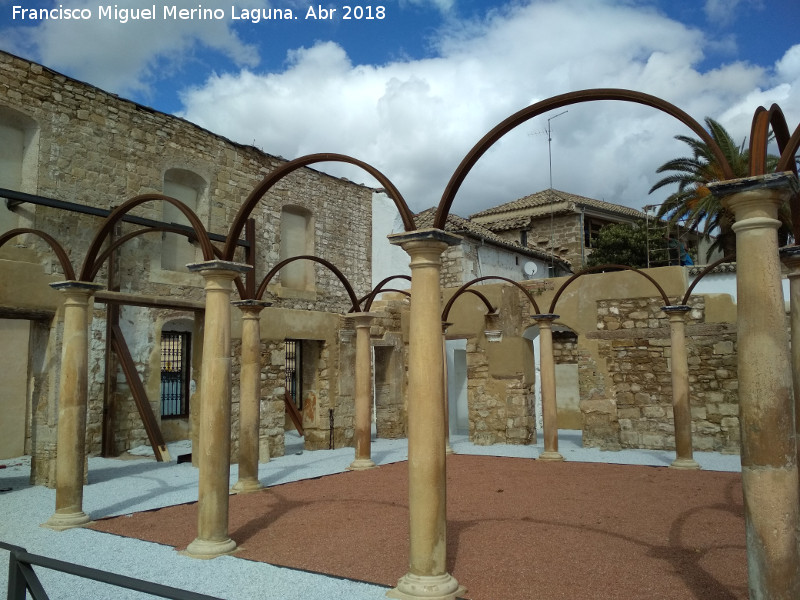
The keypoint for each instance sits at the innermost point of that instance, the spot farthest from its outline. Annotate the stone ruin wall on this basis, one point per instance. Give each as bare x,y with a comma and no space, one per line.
634,342
500,386
99,150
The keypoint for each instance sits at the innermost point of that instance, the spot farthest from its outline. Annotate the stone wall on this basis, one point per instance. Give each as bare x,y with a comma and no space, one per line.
99,150
562,236
635,344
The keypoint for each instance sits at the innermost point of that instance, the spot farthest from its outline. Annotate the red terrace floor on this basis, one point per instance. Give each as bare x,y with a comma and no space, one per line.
517,529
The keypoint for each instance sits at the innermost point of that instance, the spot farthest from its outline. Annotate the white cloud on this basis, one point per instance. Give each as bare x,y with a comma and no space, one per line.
126,57
415,120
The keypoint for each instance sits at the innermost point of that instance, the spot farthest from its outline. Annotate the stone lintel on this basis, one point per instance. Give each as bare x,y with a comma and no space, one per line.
89,286
432,234
786,179
218,265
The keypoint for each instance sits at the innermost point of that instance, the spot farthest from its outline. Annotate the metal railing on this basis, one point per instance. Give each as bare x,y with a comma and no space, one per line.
22,579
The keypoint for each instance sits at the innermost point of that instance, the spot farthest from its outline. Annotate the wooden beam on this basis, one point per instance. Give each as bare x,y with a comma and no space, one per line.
106,296
139,395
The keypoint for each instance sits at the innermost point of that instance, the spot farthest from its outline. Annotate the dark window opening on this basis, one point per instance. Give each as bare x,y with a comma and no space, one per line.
292,362
175,373
591,229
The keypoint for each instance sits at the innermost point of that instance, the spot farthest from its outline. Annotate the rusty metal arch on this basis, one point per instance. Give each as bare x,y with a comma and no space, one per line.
101,258
115,215
598,268
63,259
349,288
370,298
786,161
284,170
446,312
705,272
759,140
555,102
366,308
463,288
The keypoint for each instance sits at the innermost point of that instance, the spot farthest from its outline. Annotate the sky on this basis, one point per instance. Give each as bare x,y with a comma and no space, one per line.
412,90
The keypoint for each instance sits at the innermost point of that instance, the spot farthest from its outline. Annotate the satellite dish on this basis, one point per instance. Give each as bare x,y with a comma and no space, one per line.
529,269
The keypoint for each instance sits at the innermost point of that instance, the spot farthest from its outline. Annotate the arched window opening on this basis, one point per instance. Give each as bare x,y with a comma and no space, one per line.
188,187
297,238
19,149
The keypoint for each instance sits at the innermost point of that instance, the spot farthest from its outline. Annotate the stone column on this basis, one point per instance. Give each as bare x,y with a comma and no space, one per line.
769,452
363,393
679,365
448,449
214,461
791,258
427,482
72,392
548,374
249,396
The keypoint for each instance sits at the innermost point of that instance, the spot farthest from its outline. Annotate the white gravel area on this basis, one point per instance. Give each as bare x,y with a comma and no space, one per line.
120,487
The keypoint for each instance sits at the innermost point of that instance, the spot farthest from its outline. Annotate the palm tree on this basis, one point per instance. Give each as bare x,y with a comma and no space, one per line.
693,204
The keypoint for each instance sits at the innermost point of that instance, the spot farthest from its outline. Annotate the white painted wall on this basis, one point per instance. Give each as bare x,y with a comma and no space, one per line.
387,260
725,283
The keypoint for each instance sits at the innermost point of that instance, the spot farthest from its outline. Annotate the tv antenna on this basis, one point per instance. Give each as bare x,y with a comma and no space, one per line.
549,147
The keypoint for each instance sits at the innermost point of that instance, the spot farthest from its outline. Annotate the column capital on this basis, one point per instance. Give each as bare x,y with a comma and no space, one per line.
676,309
790,256
361,316
220,268
72,285
545,317
251,306
424,235
784,181
445,325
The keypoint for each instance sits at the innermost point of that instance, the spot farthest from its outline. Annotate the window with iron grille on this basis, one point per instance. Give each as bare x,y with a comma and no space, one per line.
292,362
175,375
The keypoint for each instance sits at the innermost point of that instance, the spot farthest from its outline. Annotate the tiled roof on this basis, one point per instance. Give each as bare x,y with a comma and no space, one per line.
551,196
460,225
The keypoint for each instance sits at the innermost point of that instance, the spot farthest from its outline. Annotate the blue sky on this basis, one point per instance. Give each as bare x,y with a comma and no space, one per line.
412,92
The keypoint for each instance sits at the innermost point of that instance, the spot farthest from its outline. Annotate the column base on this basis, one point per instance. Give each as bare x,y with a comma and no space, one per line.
684,463
361,464
62,521
550,455
245,486
200,548
430,587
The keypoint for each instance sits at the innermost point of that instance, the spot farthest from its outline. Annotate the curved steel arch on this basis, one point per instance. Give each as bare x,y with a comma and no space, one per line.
590,270
464,287
370,298
349,288
367,306
555,102
759,137
786,161
101,258
703,273
58,249
284,170
484,299
89,263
